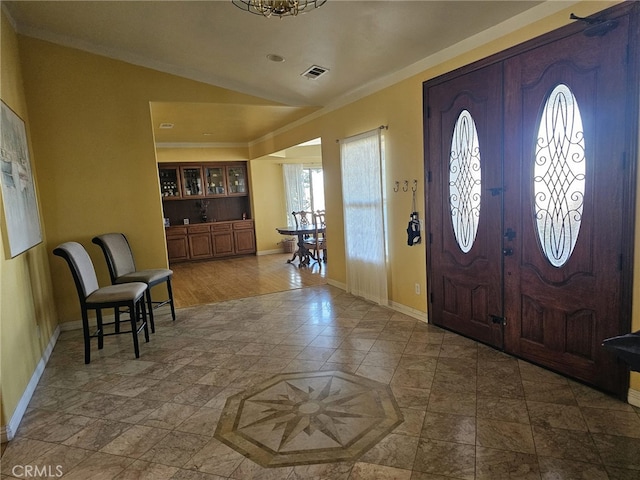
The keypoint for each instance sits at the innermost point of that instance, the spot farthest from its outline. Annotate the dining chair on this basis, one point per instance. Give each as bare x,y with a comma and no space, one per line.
94,297
122,269
317,242
303,219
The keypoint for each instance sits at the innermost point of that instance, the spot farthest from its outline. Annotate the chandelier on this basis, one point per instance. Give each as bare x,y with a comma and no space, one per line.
278,8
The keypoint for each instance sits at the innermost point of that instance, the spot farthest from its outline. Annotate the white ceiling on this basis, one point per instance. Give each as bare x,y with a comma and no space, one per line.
360,42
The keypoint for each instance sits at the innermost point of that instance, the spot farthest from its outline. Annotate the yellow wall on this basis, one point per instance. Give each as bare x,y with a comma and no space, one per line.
269,203
186,155
267,190
399,107
27,312
97,163
95,166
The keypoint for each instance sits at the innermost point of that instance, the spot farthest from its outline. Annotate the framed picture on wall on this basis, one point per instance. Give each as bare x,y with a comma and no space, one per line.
21,214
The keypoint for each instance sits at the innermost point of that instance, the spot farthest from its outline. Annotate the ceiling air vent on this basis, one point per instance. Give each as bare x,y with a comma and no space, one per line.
166,125
314,72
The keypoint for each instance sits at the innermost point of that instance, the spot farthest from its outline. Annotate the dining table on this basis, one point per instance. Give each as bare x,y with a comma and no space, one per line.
303,232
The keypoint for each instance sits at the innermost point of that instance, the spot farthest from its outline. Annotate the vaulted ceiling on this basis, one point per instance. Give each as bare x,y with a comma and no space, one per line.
362,44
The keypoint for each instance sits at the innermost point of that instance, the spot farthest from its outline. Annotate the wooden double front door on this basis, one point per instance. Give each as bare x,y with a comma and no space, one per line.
530,161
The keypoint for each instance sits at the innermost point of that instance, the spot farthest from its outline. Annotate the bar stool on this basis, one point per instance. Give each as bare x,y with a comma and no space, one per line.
93,297
122,269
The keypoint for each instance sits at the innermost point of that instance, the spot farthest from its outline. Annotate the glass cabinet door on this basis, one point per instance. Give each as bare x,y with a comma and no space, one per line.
169,182
192,181
215,181
237,178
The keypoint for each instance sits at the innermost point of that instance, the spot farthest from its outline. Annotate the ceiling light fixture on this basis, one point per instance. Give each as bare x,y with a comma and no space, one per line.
274,57
278,8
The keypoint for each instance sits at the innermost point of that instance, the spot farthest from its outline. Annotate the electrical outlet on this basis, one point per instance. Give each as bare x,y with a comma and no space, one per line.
417,288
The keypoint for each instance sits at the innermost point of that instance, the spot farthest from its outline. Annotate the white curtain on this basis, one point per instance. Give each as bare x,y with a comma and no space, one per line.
364,223
293,188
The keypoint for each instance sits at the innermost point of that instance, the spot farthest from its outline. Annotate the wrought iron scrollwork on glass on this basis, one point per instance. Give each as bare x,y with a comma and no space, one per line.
559,175
465,180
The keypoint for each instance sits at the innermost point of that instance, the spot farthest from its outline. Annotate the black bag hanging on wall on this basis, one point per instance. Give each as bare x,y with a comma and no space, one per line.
413,230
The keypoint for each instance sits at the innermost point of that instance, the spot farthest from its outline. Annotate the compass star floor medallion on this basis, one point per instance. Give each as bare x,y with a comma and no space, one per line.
308,417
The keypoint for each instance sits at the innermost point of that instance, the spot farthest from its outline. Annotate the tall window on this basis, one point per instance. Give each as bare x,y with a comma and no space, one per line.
304,189
364,229
313,184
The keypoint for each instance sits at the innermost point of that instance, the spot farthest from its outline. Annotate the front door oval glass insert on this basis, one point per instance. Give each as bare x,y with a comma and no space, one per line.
465,181
559,175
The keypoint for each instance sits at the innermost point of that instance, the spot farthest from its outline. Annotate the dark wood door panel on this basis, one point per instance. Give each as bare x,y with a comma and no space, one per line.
465,284
559,313
553,252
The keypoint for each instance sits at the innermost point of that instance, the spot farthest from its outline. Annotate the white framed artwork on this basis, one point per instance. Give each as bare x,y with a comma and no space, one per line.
21,213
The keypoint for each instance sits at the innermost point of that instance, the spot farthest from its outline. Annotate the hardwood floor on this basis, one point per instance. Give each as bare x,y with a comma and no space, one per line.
199,283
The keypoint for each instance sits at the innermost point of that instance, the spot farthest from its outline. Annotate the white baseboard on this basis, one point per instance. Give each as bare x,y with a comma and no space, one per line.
633,397
270,252
73,325
9,431
398,307
412,312
339,285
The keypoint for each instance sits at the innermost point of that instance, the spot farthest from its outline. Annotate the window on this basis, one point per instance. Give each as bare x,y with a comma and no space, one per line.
313,185
361,160
559,175
304,189
465,181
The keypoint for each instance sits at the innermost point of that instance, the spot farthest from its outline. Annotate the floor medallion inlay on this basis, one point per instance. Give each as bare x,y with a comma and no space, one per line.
308,417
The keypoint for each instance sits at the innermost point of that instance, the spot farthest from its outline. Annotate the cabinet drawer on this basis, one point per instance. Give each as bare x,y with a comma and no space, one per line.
243,225
221,227
175,231
198,229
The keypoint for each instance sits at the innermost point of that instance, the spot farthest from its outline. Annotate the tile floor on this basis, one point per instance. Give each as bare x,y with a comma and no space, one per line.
469,411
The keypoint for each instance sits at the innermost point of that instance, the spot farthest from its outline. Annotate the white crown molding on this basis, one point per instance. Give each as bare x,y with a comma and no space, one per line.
12,20
143,61
493,33
508,26
201,145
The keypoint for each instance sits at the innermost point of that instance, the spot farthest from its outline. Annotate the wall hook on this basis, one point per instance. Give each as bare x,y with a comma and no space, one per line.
397,186
415,185
405,187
